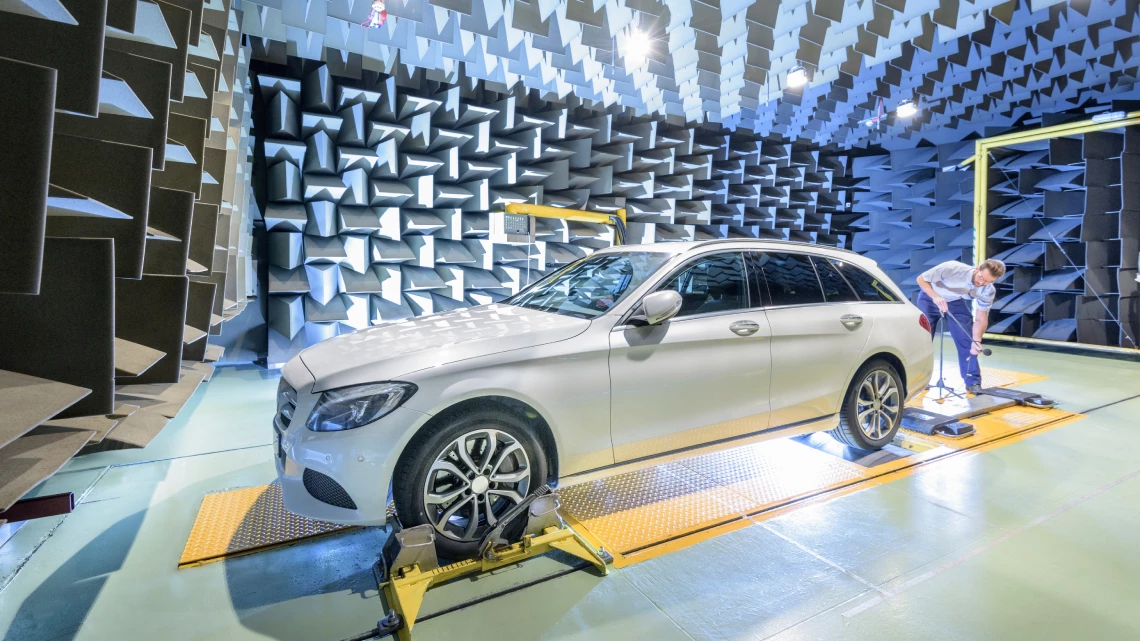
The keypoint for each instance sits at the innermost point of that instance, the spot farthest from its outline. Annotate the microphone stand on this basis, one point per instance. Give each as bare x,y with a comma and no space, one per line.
943,390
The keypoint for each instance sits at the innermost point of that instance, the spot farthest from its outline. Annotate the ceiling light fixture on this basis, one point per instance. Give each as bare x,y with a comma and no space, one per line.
906,109
797,77
636,47
1112,116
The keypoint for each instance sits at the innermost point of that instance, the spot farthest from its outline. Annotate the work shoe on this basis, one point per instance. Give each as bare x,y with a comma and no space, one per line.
974,389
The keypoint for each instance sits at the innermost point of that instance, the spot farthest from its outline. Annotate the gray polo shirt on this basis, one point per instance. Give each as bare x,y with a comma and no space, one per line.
954,281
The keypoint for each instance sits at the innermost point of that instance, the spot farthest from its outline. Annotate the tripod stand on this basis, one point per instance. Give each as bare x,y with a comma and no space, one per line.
941,386
944,392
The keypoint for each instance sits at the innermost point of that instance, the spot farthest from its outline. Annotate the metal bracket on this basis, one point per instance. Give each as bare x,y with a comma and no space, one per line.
934,424
405,587
1022,398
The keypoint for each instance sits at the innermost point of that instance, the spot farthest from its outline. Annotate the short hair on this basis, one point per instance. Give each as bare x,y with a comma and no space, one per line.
994,266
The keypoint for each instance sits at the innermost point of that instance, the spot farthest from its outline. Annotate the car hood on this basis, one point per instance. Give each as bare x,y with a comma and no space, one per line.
392,350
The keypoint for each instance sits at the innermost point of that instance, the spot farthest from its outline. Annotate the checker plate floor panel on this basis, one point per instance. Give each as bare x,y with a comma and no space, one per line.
642,513
248,519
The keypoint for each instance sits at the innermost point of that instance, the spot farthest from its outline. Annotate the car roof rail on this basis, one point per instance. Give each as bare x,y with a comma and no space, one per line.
794,243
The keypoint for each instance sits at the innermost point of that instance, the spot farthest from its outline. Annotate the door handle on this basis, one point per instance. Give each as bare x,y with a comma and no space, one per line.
744,328
851,321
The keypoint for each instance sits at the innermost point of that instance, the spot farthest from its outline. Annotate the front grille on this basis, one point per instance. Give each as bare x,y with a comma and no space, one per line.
286,405
326,490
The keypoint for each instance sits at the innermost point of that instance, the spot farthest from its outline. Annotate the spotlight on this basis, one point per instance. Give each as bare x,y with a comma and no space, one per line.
636,47
797,77
906,109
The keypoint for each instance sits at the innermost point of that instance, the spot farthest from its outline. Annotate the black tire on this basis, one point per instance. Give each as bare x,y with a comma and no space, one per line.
873,435
410,480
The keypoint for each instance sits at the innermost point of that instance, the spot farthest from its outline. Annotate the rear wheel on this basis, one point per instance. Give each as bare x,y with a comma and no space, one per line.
872,409
462,477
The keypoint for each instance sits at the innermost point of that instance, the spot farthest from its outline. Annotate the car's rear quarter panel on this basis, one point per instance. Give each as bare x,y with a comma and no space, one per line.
897,331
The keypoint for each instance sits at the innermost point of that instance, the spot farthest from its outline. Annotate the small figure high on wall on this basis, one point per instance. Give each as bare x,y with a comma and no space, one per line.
377,16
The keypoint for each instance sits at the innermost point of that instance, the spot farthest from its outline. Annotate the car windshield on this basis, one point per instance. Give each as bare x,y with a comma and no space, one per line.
592,286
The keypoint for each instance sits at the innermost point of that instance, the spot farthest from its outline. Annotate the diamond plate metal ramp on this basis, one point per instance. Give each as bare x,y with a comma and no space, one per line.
245,520
642,513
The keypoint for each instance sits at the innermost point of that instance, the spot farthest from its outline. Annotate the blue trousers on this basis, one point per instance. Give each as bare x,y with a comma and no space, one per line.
967,362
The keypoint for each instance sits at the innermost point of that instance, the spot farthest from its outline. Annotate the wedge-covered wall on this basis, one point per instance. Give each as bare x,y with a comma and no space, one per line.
123,206
377,191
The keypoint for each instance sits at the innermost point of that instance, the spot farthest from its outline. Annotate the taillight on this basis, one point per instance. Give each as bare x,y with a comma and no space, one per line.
925,322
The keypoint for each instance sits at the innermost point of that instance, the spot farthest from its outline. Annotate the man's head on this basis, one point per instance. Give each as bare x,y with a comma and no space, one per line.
988,272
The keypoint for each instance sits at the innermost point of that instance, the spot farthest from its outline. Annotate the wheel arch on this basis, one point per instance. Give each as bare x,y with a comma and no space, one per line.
891,358
521,409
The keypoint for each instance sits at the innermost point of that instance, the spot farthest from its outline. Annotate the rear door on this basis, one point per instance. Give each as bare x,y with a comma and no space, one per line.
819,329
703,376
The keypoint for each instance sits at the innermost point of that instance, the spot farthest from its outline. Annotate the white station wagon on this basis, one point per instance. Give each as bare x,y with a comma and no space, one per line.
630,353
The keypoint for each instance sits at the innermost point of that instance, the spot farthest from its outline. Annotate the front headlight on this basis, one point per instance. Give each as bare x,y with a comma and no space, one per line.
348,408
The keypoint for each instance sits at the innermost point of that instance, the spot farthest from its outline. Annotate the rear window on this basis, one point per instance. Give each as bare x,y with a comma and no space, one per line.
866,286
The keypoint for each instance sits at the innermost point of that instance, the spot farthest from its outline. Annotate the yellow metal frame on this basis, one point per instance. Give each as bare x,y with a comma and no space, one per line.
576,215
405,590
981,162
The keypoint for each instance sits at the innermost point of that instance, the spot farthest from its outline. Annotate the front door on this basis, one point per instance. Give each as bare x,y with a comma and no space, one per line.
700,377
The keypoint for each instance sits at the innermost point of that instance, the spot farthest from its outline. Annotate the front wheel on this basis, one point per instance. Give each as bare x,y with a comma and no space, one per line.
461,477
872,409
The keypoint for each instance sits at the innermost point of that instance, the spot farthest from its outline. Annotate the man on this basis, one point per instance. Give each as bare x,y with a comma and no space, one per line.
945,289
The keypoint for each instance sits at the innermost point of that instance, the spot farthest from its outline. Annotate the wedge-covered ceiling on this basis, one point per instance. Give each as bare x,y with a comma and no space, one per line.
966,64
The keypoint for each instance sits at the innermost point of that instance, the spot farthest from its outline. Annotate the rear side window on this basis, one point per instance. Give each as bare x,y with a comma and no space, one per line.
866,286
835,289
791,278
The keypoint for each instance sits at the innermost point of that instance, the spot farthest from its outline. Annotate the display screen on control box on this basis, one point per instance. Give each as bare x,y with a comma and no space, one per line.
516,224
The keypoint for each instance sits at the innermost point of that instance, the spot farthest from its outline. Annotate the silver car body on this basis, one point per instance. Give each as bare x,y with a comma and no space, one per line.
609,393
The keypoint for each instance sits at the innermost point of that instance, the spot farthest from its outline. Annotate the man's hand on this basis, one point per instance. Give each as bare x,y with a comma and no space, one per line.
941,303
974,349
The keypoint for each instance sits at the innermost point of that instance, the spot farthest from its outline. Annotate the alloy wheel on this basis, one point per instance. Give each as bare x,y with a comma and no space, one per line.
877,404
473,481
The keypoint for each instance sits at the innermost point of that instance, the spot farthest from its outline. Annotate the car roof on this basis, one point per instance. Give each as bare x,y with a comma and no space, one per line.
681,247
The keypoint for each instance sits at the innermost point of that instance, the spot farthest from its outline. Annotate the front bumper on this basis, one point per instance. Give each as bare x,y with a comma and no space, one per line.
359,461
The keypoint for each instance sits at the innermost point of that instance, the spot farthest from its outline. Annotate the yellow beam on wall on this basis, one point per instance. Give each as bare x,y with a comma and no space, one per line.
1057,131
576,215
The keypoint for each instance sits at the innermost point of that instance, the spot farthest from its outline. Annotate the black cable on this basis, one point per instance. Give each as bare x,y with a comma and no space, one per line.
985,351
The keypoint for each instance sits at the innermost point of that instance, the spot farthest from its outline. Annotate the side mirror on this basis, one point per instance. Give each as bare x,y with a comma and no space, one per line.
658,307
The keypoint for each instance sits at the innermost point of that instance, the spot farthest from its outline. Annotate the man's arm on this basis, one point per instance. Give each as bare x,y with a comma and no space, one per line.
924,285
981,322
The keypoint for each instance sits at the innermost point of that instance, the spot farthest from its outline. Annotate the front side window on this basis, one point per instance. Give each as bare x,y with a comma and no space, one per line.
867,286
710,285
791,279
835,288
590,287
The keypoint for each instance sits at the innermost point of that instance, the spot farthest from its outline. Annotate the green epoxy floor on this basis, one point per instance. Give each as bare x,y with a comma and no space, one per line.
1032,540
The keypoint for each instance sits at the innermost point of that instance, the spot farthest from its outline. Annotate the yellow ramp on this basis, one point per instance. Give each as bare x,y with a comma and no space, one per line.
647,512
245,520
